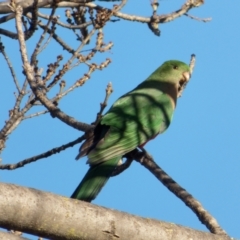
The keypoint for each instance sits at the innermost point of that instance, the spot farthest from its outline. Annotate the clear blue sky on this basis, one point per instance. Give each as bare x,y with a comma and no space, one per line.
200,150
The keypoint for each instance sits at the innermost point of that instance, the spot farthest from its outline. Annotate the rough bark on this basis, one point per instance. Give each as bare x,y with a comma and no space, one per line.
11,236
56,217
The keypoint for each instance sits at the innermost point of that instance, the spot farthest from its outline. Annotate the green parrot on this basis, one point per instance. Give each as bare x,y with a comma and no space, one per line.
134,119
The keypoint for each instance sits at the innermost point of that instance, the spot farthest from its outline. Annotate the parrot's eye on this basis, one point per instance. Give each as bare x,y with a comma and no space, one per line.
175,67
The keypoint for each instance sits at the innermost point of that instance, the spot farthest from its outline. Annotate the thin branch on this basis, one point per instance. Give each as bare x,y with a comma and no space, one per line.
41,156
2,50
36,50
33,24
78,17
81,59
49,38
64,24
205,217
7,33
197,18
28,33
6,18
121,5
76,52
80,82
35,114
189,4
52,67
57,38
40,95
103,105
10,125
101,47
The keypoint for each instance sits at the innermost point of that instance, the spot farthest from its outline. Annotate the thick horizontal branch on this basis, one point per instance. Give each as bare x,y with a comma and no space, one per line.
11,236
4,7
56,217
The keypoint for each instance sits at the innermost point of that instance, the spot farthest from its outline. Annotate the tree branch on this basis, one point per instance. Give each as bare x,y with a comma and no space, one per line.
11,236
103,105
35,114
38,45
83,25
25,4
189,4
39,93
2,50
41,156
209,221
56,217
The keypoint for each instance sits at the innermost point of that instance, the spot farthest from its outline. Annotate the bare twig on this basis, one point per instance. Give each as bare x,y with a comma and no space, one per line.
8,33
103,105
40,95
49,38
42,155
2,50
189,4
29,32
197,18
69,26
80,82
52,67
55,36
35,114
76,52
37,48
82,59
10,125
6,17
68,66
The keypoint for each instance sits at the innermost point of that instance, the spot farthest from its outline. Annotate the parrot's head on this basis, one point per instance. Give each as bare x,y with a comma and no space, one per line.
173,72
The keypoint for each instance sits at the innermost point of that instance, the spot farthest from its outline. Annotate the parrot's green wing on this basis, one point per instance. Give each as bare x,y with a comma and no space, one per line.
134,119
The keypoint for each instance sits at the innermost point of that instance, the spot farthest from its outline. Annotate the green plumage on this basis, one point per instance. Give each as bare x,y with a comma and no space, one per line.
89,188
133,119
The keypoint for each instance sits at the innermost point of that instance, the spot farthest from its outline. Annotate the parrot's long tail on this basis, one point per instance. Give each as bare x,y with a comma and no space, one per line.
94,180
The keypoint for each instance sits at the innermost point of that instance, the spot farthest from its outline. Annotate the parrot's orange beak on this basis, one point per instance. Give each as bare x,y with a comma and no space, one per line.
186,76
183,82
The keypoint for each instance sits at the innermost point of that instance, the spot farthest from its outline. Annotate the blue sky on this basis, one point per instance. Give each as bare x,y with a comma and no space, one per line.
201,148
